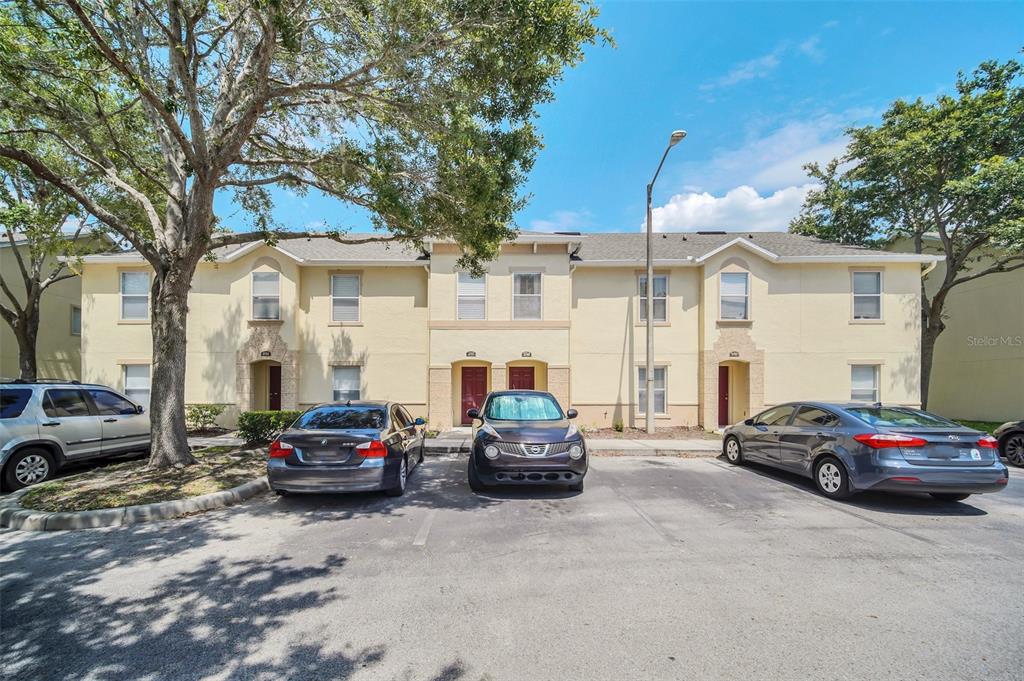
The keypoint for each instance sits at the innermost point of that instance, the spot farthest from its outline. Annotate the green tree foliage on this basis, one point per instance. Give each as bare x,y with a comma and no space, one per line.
948,172
420,111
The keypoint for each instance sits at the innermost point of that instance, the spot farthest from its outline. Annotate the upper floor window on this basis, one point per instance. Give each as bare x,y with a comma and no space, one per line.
867,295
266,295
735,295
864,382
346,383
76,320
660,297
471,304
345,297
135,295
526,295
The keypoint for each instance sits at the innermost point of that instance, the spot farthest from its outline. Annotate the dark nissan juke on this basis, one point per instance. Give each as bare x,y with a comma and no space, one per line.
525,439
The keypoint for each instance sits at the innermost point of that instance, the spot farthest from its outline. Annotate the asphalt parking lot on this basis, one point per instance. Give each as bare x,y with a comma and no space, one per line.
663,568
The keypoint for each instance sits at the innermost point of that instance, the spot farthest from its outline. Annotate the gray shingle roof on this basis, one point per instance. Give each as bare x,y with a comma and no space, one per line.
679,245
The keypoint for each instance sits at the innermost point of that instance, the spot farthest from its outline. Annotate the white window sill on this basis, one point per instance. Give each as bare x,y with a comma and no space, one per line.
867,321
133,321
344,323
266,321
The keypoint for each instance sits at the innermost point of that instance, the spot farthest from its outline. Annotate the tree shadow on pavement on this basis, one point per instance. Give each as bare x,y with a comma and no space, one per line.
882,502
211,619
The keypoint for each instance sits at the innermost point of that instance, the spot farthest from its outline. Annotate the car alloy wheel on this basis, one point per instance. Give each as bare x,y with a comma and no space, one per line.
403,475
1013,450
32,469
732,450
830,477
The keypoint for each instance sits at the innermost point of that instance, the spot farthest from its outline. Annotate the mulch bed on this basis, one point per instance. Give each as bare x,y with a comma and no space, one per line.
661,433
133,482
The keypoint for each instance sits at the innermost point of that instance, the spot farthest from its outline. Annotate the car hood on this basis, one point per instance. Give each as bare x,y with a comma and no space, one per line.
531,431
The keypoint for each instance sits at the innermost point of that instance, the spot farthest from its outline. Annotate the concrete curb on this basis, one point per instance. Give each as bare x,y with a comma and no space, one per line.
15,517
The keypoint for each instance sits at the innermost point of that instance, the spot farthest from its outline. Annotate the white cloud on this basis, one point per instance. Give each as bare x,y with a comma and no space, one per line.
742,208
759,67
561,221
811,48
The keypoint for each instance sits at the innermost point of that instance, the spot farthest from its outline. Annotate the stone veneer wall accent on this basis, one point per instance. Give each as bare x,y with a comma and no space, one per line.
730,339
558,384
439,398
265,337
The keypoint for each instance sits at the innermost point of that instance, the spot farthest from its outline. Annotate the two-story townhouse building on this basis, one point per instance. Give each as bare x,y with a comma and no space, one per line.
742,321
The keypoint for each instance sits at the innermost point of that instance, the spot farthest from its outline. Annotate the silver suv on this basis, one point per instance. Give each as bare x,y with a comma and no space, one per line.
46,424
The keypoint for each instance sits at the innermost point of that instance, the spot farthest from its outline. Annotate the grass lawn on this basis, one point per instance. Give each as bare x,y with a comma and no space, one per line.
132,483
986,426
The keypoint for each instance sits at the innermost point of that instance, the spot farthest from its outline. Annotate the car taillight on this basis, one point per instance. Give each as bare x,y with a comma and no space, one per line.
374,449
988,442
280,450
883,440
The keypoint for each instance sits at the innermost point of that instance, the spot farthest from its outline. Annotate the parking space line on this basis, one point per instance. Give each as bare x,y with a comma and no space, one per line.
424,532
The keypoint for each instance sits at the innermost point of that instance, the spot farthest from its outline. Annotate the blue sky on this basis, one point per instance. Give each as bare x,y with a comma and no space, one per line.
761,88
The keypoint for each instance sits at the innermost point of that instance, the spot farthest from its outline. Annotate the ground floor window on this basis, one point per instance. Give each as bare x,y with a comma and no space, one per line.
346,383
136,383
659,390
864,382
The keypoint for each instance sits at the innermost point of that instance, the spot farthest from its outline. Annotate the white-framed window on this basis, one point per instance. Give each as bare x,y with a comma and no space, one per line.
734,295
136,383
659,389
266,295
346,383
864,382
660,297
472,302
345,297
76,320
526,295
134,295
867,295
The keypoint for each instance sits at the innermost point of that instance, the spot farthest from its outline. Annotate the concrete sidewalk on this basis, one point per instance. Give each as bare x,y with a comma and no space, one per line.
457,441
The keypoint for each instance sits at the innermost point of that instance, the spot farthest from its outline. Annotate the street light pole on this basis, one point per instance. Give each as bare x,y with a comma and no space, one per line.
676,137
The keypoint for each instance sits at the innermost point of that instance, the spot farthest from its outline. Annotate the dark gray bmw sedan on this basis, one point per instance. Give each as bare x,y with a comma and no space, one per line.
848,448
347,447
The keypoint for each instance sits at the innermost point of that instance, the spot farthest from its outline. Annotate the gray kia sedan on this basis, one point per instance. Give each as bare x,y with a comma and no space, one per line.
347,447
847,448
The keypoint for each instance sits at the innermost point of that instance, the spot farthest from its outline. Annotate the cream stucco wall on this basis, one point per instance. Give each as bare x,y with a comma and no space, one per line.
978,366
58,352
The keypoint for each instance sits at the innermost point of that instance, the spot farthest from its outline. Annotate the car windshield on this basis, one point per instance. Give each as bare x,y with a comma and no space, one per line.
342,418
900,417
523,408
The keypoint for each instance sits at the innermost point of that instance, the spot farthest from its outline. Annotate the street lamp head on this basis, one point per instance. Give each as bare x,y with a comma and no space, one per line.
676,137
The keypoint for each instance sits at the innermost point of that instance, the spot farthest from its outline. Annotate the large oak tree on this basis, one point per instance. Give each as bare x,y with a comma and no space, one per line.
951,170
418,111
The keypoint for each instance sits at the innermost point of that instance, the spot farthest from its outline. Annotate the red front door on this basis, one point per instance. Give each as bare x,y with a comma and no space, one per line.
723,396
274,381
520,378
474,389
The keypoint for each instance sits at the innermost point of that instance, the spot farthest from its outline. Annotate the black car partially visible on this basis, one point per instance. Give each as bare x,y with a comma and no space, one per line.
1011,441
347,447
524,438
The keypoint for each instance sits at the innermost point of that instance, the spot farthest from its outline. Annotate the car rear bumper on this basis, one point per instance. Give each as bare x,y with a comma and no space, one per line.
954,480
371,475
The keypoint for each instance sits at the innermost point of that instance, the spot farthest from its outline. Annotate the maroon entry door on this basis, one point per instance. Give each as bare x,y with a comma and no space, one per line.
723,396
274,383
474,389
520,378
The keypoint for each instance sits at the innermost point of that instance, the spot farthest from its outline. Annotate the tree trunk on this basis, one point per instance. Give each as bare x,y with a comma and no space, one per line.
929,335
167,389
26,337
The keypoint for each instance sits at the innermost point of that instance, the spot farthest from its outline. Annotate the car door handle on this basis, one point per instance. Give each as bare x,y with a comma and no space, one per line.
109,420
50,423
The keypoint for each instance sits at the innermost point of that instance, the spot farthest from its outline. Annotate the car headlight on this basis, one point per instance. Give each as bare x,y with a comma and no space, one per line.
491,452
575,451
486,428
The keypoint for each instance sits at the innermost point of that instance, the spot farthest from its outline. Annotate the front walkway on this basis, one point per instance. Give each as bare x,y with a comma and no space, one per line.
457,440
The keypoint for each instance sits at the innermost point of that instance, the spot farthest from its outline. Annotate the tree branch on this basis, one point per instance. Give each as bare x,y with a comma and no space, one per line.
237,238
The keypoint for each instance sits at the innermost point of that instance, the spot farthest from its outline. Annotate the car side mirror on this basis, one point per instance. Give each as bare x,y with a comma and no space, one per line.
418,422
473,413
139,409
571,414
748,422
127,411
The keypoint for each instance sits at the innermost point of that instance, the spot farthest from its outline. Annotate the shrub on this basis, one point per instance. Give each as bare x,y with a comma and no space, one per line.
261,426
618,426
202,416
